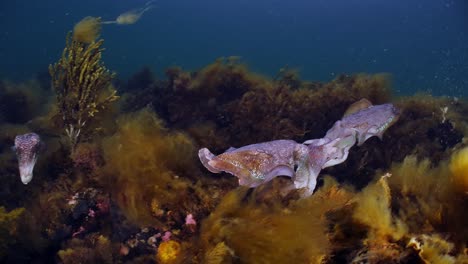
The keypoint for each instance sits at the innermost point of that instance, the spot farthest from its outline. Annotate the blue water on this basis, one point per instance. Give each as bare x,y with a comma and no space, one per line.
422,43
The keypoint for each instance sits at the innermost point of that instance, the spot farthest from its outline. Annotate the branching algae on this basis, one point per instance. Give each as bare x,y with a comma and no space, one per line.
82,85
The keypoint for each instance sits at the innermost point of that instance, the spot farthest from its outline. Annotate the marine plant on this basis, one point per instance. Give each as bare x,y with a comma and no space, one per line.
435,249
205,95
424,129
373,209
288,77
87,30
278,111
148,170
8,228
228,103
250,230
82,85
428,198
414,207
94,248
459,169
21,102
412,215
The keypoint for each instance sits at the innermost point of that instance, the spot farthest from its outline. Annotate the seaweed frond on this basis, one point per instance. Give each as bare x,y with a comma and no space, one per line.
82,85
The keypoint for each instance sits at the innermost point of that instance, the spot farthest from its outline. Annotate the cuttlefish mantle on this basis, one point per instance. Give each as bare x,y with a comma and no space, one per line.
257,163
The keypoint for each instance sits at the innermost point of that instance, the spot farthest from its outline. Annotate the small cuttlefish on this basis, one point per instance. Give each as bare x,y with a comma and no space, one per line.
132,16
27,148
259,163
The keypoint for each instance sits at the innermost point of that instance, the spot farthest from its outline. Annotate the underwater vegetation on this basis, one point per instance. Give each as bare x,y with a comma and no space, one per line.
148,171
87,30
248,229
21,102
120,181
8,228
81,82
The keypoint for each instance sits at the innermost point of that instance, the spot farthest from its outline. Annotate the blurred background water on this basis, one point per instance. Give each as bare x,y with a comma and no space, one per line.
422,43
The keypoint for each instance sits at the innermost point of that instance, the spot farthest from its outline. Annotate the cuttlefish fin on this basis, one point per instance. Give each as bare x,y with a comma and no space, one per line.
316,142
230,149
205,157
357,106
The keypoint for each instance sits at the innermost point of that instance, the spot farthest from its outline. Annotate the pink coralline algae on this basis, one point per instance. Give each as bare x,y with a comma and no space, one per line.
190,223
80,231
91,213
189,220
167,236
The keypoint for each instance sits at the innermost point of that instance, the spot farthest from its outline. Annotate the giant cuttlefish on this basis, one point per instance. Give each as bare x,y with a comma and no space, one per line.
27,148
259,163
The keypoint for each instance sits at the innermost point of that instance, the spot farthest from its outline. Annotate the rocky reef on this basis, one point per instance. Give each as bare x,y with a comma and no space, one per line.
120,180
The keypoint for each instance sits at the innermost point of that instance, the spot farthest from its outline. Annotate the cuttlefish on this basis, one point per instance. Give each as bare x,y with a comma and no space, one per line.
27,148
364,120
132,16
259,163
360,122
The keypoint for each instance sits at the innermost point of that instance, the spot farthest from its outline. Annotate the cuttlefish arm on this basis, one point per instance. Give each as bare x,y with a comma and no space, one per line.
322,153
27,148
205,157
306,175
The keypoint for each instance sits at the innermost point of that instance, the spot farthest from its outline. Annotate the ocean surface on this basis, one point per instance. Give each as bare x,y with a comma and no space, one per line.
422,43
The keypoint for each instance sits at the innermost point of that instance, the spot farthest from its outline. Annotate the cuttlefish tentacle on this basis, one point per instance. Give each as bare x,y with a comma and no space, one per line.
27,148
306,176
322,153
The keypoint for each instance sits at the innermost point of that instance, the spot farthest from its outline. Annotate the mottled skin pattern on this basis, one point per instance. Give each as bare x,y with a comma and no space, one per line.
334,148
27,147
367,122
259,163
